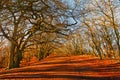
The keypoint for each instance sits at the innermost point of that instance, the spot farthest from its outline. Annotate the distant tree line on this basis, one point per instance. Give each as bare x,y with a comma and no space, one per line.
99,31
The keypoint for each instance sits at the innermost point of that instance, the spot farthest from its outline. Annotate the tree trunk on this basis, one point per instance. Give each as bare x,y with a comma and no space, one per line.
15,56
11,56
99,52
17,59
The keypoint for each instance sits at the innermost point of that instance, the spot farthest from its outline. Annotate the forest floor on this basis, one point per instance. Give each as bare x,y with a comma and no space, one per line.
84,67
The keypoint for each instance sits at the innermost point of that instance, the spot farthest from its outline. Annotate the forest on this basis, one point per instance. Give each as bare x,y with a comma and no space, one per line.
40,28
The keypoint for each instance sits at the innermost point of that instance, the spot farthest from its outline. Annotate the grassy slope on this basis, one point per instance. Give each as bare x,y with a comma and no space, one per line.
66,68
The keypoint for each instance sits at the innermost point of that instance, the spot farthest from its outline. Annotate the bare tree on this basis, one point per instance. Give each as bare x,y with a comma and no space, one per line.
103,26
20,20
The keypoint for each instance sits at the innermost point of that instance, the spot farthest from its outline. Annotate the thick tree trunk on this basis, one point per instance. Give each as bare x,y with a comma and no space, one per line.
17,59
11,56
15,56
10,61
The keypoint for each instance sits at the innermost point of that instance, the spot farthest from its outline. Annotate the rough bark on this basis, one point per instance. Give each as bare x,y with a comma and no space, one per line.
15,56
11,56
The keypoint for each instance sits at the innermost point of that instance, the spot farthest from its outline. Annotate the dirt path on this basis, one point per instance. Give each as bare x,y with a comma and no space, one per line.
66,68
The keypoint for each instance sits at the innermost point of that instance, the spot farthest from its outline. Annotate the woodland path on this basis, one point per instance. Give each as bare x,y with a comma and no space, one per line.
66,68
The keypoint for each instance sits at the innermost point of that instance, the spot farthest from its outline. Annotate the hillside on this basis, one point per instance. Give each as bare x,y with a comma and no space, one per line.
66,68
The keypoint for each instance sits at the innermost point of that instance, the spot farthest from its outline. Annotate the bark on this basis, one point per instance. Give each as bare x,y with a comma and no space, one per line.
15,56
17,59
11,56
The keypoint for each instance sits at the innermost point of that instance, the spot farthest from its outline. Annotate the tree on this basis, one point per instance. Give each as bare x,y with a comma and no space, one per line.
44,44
103,26
20,20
